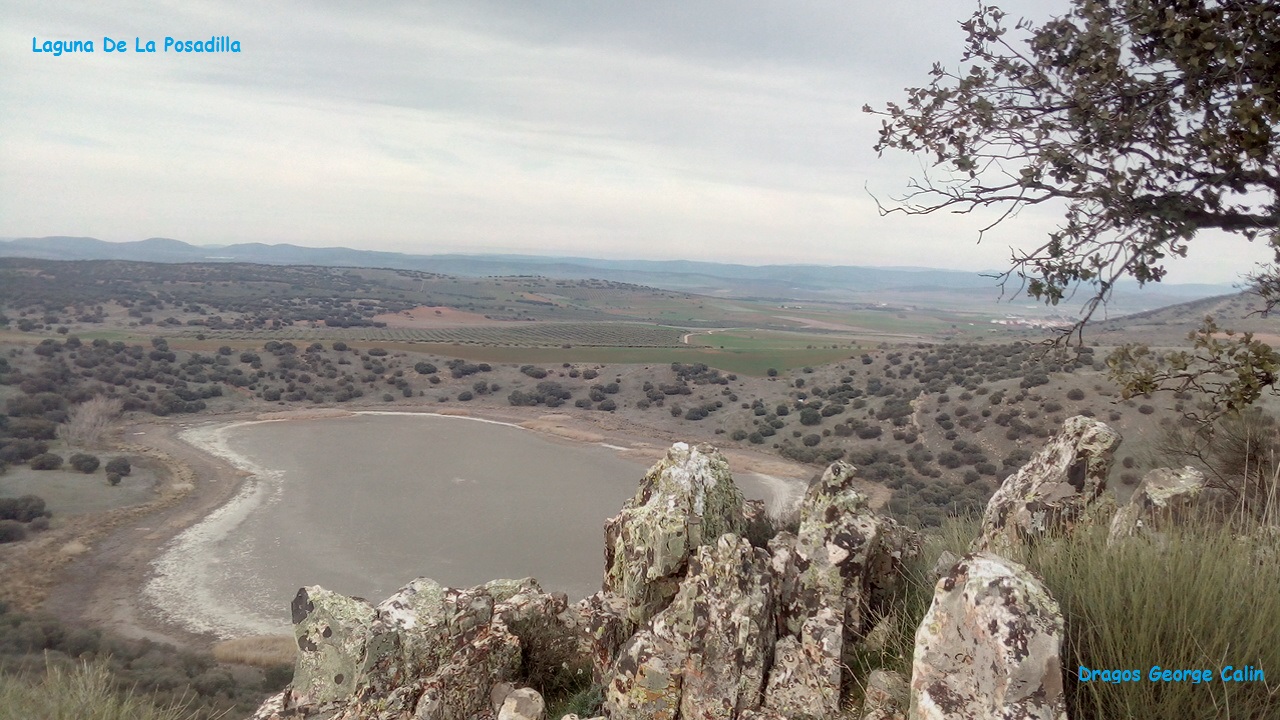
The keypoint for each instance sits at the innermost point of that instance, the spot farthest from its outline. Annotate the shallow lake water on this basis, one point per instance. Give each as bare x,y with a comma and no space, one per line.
365,503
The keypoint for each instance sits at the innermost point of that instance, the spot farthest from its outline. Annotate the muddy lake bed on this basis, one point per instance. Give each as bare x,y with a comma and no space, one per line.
361,504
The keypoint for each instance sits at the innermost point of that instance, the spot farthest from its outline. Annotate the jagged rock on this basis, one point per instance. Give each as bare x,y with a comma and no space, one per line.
989,646
897,546
417,630
427,652
755,521
686,500
704,656
731,613
782,566
886,696
550,632
1165,495
846,557
522,704
459,690
605,628
942,566
1053,490
805,679
332,631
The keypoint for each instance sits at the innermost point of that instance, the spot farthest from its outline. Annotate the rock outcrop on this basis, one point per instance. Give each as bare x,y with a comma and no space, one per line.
845,557
695,622
1053,491
1165,496
685,501
427,652
989,647
705,655
805,679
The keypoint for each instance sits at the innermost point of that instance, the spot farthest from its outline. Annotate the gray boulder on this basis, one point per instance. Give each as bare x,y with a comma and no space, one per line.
686,500
805,680
428,652
703,657
1164,497
1054,490
886,696
522,704
989,646
846,557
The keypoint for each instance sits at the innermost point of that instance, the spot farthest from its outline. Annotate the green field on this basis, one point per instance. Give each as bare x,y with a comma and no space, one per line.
527,335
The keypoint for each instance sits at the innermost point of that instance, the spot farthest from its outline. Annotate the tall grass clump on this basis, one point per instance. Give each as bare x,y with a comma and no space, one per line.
1200,597
82,692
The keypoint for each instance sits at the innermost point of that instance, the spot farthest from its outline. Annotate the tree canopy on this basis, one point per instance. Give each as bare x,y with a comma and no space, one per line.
1146,122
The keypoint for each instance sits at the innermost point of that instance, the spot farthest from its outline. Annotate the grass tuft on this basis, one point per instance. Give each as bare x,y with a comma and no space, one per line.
264,651
81,692
1200,597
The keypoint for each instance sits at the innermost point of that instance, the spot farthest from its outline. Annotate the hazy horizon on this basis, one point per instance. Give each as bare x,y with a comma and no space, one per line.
716,131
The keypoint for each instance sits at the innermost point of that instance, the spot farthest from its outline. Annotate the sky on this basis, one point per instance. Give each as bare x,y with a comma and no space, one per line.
666,129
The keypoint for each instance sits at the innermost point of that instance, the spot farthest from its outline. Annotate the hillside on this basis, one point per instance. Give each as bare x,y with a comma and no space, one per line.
1169,326
929,287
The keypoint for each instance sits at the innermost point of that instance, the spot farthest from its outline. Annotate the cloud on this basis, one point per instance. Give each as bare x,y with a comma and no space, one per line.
711,130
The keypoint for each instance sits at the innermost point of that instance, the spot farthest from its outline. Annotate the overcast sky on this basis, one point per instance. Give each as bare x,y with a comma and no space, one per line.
717,130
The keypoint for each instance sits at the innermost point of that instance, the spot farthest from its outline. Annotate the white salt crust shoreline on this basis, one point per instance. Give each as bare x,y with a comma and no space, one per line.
181,588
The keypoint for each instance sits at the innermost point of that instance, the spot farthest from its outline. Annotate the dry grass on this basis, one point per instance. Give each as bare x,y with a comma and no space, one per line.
259,650
89,421
1200,596
83,692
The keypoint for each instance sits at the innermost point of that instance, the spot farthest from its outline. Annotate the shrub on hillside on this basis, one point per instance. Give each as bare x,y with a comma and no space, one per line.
83,462
23,509
12,531
47,461
119,466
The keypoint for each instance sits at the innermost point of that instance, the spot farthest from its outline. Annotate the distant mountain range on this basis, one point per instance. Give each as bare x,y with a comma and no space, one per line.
790,282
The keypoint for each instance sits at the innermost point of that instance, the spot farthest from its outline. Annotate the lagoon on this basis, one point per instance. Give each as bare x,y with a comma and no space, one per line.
362,504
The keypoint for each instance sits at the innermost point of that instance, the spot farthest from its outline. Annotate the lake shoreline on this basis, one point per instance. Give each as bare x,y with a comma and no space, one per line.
103,587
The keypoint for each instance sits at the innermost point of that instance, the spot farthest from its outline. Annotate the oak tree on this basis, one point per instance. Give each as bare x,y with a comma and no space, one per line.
1146,123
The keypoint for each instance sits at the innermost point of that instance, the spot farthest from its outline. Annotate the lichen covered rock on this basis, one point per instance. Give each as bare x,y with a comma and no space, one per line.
805,679
1165,496
604,628
886,696
989,646
846,557
704,656
460,688
332,631
686,500
1053,491
522,704
427,652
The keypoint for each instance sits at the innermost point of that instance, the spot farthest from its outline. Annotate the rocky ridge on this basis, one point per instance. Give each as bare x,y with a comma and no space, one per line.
695,622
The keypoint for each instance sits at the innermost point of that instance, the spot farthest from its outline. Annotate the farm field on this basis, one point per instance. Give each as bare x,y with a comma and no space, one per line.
518,335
